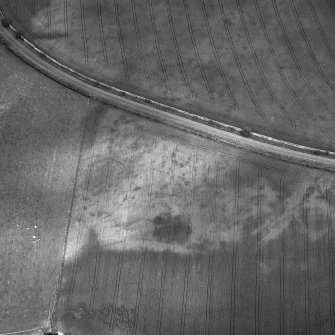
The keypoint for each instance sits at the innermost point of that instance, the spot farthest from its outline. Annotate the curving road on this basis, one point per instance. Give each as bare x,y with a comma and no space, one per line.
257,143
264,64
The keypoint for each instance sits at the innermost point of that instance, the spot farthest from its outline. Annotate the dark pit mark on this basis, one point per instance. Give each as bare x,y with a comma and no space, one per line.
171,228
309,192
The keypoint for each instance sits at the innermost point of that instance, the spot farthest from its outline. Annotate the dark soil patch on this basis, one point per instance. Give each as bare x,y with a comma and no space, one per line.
171,228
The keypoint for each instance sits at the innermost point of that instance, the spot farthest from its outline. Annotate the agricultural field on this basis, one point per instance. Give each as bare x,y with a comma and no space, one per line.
266,64
40,136
172,234
115,224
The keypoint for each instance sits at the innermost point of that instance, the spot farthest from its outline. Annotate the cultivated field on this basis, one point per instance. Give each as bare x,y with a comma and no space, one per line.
40,136
172,234
266,64
114,224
